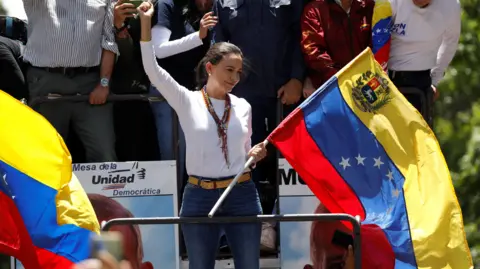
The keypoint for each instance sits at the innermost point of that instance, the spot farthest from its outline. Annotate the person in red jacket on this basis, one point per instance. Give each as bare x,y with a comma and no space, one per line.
333,33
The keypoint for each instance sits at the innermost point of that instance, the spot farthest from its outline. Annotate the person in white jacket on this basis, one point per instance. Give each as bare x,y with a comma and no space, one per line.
425,35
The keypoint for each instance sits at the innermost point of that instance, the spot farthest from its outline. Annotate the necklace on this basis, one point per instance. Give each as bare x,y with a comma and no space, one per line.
222,124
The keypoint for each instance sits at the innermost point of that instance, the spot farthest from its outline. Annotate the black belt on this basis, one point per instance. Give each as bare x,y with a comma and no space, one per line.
399,74
70,71
411,78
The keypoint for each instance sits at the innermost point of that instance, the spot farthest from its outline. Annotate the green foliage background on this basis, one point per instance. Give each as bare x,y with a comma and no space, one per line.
457,124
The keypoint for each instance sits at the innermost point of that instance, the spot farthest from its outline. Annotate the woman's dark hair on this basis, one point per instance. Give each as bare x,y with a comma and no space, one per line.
214,55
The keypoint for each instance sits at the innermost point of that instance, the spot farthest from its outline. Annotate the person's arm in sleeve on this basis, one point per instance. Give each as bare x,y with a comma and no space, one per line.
165,48
257,151
161,33
248,144
220,31
108,35
175,94
12,79
448,47
298,63
313,43
109,52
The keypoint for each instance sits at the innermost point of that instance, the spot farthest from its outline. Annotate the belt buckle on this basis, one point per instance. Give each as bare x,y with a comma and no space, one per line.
209,182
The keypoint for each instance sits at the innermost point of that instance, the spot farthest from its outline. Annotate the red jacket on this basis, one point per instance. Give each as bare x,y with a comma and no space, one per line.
331,37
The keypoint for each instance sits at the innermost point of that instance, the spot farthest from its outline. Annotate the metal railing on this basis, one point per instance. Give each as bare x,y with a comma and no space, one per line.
84,98
249,219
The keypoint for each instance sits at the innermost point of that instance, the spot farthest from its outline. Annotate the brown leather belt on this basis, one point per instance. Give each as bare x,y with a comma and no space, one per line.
218,184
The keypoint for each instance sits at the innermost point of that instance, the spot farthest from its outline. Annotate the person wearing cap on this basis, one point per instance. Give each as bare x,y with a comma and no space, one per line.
327,252
425,35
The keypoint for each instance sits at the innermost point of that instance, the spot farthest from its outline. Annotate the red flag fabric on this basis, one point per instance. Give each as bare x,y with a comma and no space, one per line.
14,238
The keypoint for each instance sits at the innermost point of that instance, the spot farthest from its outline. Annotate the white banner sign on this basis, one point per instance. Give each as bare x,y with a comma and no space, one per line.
290,183
128,178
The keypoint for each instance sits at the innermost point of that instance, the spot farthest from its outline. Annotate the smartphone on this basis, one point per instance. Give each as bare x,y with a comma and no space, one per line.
112,242
136,3
342,239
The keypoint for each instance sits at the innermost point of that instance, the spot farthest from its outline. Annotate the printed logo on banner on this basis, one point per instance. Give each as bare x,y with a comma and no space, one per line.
291,184
118,179
127,178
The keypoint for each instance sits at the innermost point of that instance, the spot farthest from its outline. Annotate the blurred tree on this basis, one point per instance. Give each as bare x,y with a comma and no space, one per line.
458,122
2,10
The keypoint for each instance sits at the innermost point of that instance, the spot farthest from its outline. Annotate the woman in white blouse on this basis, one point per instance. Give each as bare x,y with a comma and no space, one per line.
217,128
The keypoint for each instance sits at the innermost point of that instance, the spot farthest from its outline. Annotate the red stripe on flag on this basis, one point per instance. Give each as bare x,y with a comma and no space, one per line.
291,137
383,53
49,259
16,242
14,238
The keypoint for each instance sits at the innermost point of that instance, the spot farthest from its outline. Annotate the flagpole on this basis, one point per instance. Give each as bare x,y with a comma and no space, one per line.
232,184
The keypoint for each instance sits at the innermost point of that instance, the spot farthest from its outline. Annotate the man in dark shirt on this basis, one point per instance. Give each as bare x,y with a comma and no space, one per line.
12,80
269,34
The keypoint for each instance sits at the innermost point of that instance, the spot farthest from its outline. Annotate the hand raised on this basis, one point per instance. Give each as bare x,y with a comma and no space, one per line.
145,10
121,11
208,21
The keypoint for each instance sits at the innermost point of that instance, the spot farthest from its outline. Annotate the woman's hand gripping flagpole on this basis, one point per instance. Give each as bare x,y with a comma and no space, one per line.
233,183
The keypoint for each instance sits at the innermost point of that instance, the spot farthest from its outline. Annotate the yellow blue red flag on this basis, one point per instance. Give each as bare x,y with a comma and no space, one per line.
381,36
49,217
364,150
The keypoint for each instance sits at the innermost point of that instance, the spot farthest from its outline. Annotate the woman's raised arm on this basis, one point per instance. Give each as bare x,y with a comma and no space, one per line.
175,94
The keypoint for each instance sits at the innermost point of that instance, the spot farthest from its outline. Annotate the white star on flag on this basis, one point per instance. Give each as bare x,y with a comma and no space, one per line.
395,193
378,162
360,159
344,163
390,175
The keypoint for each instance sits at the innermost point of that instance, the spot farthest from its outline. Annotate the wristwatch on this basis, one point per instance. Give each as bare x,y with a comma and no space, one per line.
104,82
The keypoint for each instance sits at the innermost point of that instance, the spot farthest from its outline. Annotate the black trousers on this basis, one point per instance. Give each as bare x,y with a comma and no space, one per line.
12,79
416,86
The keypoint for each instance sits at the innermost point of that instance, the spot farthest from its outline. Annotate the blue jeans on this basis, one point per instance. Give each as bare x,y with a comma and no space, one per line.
202,240
163,114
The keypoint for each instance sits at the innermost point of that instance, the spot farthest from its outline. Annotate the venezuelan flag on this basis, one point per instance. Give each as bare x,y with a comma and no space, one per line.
50,215
364,150
381,37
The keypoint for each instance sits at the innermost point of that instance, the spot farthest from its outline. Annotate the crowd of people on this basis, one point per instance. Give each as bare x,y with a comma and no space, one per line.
229,71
